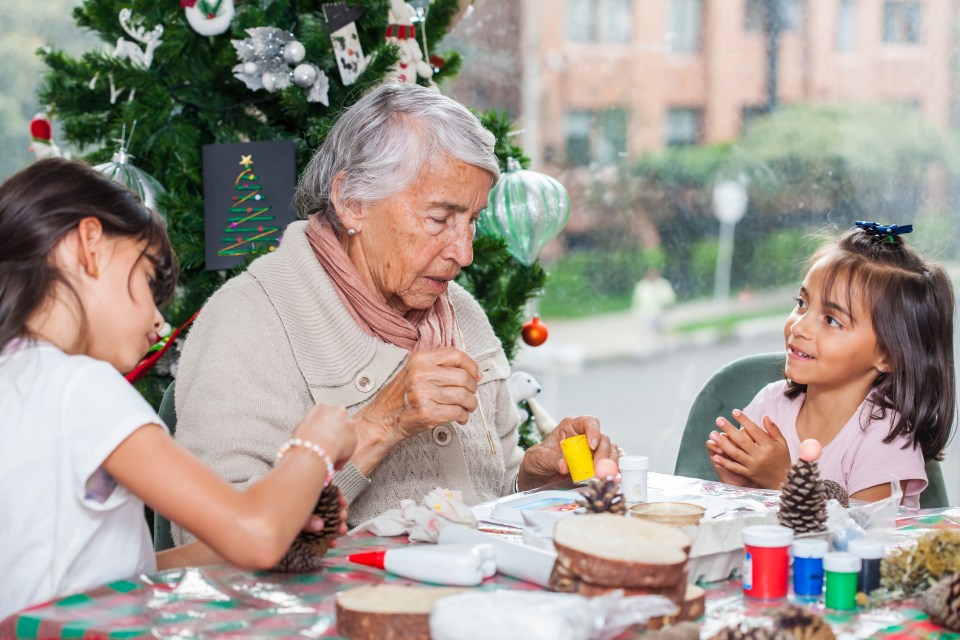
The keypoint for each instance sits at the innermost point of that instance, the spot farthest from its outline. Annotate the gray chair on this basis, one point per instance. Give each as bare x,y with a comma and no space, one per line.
733,387
162,537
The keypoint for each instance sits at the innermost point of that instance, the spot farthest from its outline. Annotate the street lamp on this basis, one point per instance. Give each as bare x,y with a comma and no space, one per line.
729,206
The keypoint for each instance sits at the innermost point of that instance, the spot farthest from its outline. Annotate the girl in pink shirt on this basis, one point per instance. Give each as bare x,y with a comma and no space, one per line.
869,373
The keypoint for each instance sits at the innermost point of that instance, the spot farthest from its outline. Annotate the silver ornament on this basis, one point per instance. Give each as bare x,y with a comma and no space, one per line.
249,68
119,169
269,81
293,52
304,75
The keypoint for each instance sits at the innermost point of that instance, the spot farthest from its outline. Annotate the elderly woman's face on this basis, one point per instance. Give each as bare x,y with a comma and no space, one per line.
411,245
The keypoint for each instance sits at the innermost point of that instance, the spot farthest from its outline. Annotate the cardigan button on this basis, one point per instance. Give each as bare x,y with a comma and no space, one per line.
441,435
364,382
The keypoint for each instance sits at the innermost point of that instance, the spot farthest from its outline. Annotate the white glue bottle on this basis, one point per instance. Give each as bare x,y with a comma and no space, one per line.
459,565
516,560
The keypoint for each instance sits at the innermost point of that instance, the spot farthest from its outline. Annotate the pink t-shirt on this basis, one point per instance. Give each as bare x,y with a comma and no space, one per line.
857,457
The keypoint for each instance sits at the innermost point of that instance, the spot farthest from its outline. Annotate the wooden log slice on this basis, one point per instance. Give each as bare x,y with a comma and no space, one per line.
614,551
388,612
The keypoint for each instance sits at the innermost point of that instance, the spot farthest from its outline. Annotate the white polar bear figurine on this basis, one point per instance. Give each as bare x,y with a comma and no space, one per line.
523,387
402,32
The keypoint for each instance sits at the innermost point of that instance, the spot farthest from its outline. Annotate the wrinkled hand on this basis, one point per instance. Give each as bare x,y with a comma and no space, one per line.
434,387
315,523
757,455
544,463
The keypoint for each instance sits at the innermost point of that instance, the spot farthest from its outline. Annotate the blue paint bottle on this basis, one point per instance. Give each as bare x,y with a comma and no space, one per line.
808,566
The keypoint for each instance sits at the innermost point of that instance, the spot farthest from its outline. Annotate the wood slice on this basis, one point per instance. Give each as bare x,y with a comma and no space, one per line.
388,612
614,551
581,587
693,606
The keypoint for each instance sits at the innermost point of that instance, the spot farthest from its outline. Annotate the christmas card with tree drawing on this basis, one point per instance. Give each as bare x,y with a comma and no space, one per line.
247,193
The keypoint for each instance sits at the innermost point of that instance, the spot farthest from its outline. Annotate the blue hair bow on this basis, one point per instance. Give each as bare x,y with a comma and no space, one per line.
883,232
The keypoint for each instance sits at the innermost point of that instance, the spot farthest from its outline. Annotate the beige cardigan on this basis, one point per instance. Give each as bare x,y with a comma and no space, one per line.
276,340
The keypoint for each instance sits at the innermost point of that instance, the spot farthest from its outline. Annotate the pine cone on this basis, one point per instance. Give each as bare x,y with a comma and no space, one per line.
602,495
942,602
308,548
802,624
802,499
835,491
562,579
753,633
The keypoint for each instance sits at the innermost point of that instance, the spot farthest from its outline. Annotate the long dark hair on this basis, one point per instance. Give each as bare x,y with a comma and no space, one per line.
43,203
911,306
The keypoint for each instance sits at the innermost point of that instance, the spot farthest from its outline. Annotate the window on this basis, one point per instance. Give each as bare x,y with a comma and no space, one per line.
598,20
756,14
901,22
596,137
846,25
684,34
683,126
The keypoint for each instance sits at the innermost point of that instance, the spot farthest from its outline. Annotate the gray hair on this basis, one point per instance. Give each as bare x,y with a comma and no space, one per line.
381,143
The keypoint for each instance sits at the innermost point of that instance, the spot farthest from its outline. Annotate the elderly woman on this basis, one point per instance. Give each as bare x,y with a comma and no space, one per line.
358,307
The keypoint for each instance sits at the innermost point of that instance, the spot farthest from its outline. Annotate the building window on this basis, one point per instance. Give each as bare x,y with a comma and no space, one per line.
598,20
596,137
755,16
684,35
683,126
901,22
846,25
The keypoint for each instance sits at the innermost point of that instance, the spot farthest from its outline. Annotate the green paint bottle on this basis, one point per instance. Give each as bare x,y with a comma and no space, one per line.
841,569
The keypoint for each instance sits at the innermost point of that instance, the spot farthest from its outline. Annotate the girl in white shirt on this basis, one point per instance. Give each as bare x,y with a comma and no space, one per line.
83,267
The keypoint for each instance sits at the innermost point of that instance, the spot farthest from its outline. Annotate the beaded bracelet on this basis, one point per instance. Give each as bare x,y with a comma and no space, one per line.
310,446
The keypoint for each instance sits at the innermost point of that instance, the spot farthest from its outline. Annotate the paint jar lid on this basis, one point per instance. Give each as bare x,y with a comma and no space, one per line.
841,562
866,548
633,463
810,548
767,535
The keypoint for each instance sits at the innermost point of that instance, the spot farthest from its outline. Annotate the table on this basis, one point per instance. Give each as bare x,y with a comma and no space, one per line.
225,602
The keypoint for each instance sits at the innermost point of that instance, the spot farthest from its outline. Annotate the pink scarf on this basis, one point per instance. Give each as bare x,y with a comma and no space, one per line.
418,330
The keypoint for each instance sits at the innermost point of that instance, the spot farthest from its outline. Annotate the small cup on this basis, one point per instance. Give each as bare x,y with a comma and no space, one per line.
579,457
633,478
672,514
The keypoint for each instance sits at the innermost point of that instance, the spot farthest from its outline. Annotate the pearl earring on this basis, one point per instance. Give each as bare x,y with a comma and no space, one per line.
352,231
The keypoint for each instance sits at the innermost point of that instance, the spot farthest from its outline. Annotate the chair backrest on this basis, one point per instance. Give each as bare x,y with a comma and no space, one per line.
733,387
162,537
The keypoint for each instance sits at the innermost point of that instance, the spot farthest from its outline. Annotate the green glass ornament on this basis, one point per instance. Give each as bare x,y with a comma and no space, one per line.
527,209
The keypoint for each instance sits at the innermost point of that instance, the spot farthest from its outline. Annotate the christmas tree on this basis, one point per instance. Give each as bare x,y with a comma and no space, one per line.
210,72
249,216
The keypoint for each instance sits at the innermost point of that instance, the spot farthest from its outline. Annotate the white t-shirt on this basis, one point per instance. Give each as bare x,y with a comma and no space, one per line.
65,524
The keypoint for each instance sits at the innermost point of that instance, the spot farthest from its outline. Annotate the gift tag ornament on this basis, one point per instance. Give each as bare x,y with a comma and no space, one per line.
341,25
534,333
527,209
208,17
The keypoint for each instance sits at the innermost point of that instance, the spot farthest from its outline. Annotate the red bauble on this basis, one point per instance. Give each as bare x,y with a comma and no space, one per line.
534,333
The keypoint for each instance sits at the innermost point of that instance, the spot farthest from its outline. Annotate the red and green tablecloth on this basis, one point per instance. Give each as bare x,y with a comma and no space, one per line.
225,602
